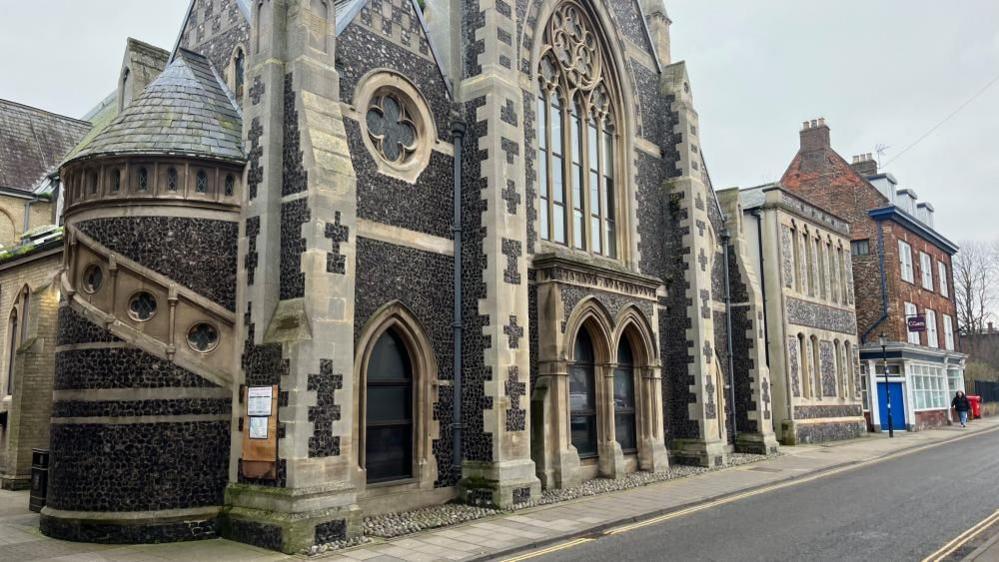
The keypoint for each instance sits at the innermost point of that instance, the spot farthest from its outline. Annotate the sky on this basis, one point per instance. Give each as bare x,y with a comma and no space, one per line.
883,73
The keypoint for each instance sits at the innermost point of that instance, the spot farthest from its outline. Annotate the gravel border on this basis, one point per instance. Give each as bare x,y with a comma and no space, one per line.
394,525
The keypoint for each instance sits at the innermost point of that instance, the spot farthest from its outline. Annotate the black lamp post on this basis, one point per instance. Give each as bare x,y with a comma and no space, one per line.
883,340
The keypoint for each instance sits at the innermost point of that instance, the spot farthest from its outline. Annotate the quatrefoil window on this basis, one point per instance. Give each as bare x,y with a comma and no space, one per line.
142,306
392,128
203,337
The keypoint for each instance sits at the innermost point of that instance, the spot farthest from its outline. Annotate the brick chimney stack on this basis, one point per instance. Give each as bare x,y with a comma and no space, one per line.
865,165
815,135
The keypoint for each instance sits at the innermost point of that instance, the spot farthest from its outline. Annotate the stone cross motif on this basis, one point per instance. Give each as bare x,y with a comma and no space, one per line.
703,260
700,227
338,233
766,399
699,201
391,128
252,258
256,173
710,410
323,443
514,332
256,90
705,308
708,351
516,417
511,197
512,250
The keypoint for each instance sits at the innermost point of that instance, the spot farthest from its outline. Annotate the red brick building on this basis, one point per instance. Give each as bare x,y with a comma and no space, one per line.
902,269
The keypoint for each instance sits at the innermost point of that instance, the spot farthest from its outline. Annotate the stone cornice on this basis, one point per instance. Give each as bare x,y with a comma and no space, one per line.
590,273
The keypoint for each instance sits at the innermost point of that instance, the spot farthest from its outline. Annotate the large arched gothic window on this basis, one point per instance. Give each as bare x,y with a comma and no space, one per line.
583,397
389,426
577,136
624,399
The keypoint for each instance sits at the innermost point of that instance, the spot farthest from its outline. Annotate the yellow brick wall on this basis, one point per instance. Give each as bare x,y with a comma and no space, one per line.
12,218
29,408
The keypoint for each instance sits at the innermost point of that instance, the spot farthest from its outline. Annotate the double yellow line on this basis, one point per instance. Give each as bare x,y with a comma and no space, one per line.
549,550
963,539
779,486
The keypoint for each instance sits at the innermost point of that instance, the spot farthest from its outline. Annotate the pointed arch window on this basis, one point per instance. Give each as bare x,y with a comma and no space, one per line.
577,140
583,397
239,69
624,399
13,340
389,409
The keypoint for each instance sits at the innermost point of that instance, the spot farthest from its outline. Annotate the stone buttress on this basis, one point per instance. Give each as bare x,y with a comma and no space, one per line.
753,391
296,280
701,436
498,469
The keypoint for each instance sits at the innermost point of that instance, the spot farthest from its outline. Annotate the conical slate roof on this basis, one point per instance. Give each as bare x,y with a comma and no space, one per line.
185,111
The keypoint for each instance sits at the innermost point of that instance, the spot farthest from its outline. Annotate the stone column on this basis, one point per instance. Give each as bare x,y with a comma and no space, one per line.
297,281
611,457
652,454
498,469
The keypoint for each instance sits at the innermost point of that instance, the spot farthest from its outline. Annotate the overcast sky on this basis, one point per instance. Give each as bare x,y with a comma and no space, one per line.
881,72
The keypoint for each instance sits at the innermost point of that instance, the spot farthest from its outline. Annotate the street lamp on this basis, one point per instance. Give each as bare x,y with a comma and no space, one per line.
883,340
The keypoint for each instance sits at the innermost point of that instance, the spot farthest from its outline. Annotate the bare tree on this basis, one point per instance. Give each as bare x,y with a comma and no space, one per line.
975,284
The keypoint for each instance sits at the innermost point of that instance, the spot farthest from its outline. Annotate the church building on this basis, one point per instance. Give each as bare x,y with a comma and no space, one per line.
342,258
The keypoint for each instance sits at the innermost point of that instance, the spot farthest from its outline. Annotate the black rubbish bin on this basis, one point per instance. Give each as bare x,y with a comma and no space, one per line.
39,479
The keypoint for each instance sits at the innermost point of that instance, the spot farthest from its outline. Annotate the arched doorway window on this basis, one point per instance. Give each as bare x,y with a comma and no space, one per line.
583,397
388,440
624,399
577,136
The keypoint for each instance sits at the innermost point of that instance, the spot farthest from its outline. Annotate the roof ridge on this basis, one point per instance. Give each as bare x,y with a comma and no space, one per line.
45,111
149,46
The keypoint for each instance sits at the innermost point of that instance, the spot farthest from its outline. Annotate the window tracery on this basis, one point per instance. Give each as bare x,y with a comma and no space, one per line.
576,137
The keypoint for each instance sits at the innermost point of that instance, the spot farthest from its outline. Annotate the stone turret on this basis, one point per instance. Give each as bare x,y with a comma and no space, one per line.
146,346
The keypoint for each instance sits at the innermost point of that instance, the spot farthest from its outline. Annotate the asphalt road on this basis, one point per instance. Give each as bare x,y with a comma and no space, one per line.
900,509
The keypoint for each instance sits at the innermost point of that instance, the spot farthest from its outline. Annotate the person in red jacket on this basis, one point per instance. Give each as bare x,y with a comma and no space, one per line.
961,404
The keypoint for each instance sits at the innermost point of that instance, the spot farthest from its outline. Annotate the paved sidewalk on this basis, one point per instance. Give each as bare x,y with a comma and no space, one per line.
499,535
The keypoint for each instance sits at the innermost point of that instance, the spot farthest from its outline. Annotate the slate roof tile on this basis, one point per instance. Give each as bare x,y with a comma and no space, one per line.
185,111
33,142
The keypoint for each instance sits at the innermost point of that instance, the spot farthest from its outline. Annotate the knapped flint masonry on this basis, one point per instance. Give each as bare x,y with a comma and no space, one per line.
257,337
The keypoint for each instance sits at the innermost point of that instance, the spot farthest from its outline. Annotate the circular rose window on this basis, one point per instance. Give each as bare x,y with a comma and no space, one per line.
203,337
142,306
398,127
